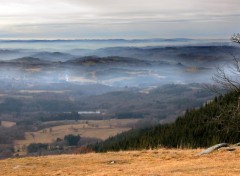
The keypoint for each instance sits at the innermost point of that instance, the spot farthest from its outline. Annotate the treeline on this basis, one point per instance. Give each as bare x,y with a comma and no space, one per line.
17,105
129,115
60,116
59,144
215,122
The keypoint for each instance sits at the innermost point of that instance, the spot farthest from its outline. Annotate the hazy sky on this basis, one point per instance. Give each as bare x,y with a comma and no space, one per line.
70,19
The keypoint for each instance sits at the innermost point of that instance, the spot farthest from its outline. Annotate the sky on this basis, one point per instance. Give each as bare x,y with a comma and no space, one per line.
128,19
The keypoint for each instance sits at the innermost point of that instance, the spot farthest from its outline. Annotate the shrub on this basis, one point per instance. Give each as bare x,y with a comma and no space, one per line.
72,140
36,147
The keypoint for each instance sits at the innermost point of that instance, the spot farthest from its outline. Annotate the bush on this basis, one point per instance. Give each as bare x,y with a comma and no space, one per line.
33,148
72,140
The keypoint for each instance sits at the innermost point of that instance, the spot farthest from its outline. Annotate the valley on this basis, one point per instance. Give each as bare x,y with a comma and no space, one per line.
119,88
46,94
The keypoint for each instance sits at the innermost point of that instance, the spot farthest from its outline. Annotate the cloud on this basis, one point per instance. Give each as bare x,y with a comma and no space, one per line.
81,16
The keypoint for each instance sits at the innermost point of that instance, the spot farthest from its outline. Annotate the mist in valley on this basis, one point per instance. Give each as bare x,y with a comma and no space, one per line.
138,83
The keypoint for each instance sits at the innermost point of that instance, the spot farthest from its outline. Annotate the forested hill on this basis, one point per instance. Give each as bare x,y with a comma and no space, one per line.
215,122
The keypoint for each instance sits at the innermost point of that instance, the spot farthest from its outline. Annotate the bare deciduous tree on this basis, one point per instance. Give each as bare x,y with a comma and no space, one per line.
236,38
229,77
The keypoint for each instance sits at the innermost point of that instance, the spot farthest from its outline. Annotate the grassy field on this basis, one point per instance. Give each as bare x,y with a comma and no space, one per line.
7,124
161,162
101,129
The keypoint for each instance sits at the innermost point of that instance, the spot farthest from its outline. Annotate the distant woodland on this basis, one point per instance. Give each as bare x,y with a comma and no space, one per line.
215,122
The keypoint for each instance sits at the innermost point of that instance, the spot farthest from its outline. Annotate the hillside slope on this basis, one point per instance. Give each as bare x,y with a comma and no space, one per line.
216,122
161,162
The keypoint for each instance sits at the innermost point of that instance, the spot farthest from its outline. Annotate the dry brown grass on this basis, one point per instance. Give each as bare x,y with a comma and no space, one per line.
7,124
33,70
192,69
161,162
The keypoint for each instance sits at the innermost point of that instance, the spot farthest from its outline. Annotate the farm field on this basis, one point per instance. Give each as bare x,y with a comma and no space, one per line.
7,124
159,162
100,129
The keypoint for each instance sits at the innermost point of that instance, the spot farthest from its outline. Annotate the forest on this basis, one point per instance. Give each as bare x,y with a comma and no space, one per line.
215,122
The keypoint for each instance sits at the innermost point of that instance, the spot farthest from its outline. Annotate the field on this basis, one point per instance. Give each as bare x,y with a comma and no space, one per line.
100,129
160,162
7,124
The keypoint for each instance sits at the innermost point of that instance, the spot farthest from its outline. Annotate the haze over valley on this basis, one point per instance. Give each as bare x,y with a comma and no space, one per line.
138,87
129,80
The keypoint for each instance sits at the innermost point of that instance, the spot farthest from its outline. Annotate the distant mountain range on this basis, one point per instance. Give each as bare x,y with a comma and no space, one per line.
82,61
26,61
97,61
118,66
53,56
107,40
187,55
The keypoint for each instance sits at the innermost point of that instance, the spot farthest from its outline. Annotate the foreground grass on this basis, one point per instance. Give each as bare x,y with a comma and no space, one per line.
161,162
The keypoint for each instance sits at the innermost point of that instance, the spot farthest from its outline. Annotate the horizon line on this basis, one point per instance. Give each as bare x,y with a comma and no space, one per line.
109,39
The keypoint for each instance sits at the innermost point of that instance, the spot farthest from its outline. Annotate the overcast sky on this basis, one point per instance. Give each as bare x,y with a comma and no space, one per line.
81,19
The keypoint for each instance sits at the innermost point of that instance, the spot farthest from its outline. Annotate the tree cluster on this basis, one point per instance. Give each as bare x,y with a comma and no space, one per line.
215,122
72,140
36,147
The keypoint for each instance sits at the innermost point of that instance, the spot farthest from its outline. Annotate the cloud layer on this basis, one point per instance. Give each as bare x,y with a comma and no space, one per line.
118,19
